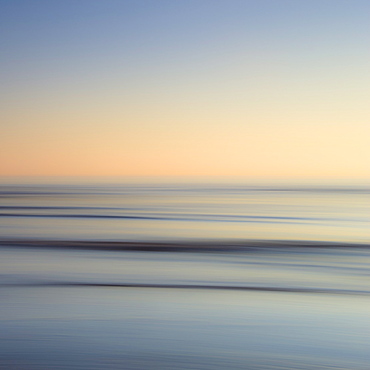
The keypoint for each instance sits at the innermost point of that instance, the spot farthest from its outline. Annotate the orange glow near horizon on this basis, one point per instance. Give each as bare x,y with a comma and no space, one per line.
231,97
225,150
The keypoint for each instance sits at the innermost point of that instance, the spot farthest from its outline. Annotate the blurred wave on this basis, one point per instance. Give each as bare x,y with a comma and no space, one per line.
174,276
195,286
146,212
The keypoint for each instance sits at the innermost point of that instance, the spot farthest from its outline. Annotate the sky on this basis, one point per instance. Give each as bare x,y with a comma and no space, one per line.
236,88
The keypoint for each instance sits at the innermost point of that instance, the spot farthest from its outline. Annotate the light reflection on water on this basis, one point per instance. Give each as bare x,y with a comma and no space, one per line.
47,323
146,329
164,212
257,305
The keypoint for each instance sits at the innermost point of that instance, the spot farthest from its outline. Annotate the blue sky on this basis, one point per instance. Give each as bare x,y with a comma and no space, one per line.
163,87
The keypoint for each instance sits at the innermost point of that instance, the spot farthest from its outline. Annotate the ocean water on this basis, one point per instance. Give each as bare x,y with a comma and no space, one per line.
181,276
145,212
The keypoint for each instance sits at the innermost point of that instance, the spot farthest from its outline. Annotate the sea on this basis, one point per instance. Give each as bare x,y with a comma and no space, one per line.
184,275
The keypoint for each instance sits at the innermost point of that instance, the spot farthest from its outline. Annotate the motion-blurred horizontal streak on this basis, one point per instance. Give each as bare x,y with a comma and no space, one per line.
178,246
190,286
198,217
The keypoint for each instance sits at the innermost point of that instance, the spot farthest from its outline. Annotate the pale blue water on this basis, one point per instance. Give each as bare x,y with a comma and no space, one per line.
185,212
298,300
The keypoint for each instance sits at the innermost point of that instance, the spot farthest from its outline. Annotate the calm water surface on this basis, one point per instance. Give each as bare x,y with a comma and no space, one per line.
276,306
160,212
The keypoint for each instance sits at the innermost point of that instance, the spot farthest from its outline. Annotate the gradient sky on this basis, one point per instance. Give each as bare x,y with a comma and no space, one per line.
252,88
